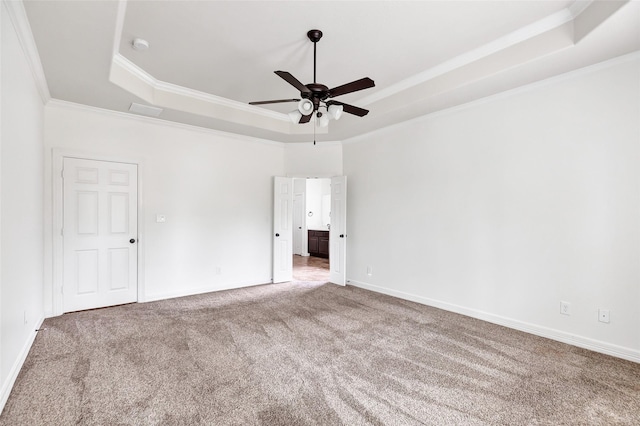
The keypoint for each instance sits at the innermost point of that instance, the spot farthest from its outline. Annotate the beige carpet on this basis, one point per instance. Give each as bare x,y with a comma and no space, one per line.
309,354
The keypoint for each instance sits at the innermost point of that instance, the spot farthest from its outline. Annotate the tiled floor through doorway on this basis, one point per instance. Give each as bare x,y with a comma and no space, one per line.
310,268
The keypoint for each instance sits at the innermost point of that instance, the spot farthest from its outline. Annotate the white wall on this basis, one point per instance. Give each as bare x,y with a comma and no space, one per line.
215,189
318,197
505,207
309,160
21,200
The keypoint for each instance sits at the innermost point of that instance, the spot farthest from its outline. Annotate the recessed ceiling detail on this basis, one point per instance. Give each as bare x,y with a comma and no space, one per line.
209,59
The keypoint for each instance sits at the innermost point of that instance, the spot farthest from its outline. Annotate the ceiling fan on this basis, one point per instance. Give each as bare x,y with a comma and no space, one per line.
315,96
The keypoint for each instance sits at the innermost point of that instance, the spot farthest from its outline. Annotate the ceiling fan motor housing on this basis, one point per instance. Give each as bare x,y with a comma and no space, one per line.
318,93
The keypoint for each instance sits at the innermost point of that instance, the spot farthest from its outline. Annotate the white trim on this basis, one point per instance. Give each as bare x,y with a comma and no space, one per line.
175,89
18,16
504,95
7,386
57,103
329,143
577,7
549,333
120,14
205,289
57,253
518,36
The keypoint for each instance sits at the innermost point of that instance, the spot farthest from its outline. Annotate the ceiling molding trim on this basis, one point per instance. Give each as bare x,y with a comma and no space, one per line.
60,104
324,143
134,70
579,6
593,16
138,82
218,100
520,35
629,57
175,89
120,14
18,16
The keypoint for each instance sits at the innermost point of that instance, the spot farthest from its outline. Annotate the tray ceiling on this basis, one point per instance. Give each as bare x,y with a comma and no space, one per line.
208,59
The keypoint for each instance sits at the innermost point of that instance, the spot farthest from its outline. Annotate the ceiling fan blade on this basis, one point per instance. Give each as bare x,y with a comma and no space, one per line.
274,102
305,119
354,86
293,81
360,112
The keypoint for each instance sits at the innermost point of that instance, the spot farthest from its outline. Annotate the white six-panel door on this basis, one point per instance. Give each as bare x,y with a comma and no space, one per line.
283,229
338,234
100,232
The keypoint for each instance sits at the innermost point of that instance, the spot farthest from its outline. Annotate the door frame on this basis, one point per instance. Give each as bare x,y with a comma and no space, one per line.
57,164
318,176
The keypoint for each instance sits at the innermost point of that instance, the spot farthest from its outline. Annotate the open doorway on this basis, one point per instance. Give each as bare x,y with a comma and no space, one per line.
312,227
310,268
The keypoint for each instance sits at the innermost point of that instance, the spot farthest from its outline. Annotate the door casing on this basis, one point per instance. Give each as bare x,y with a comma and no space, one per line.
57,164
341,274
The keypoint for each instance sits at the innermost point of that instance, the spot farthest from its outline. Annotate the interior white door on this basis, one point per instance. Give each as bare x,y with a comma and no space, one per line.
338,233
282,229
298,224
100,233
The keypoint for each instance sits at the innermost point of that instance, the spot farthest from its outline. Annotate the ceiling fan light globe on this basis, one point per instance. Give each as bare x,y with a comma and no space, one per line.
295,116
305,106
335,111
323,121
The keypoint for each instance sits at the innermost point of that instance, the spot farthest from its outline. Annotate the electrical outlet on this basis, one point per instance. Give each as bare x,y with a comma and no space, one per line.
603,315
160,218
565,308
369,270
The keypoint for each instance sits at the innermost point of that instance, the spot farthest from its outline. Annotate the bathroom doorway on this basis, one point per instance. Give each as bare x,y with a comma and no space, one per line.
312,227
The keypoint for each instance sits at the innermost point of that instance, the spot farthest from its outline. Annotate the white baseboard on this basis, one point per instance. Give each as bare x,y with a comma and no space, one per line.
550,333
17,366
201,290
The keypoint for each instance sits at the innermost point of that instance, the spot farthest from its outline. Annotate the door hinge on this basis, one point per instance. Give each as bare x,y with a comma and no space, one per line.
62,173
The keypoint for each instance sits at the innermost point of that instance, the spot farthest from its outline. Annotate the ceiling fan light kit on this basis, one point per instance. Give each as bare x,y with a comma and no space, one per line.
305,106
314,96
335,111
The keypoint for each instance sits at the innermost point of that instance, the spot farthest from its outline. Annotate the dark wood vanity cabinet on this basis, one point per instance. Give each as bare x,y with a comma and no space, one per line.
319,243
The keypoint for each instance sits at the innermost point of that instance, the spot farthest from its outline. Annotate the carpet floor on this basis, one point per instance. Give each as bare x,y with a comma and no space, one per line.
309,354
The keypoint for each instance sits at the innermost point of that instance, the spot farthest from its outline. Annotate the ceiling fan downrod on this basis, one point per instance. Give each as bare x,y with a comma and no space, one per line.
314,36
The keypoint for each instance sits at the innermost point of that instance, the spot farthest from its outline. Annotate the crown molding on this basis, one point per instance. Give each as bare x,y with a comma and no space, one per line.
158,85
579,6
60,104
18,16
633,56
518,36
120,14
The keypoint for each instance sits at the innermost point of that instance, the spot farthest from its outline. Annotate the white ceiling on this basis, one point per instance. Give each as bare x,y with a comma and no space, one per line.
208,59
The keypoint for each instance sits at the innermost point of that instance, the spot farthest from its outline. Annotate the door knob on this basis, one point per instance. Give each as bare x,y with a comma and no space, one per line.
341,235
277,235
132,241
